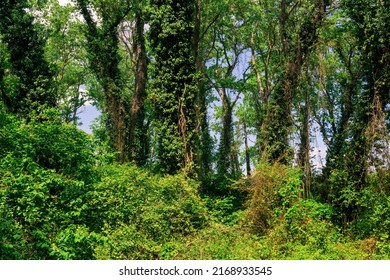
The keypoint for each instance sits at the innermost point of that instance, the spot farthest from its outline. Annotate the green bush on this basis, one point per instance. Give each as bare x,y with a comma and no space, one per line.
150,210
373,221
127,242
272,189
221,242
37,205
46,169
75,242
50,143
223,210
303,231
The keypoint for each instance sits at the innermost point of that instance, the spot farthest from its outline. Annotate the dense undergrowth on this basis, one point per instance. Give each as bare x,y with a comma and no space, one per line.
61,199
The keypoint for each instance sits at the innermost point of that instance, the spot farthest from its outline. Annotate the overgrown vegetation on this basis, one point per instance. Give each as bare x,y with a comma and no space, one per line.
59,202
204,145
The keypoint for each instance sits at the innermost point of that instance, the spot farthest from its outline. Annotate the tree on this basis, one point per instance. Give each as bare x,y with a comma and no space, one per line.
73,79
225,57
138,129
370,25
26,78
103,46
204,142
174,89
298,25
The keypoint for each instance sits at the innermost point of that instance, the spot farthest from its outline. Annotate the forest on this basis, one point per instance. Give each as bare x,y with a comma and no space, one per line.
250,129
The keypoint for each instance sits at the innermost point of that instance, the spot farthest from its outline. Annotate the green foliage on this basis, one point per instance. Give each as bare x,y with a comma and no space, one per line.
50,143
65,50
55,204
129,202
63,197
305,225
75,242
37,204
271,191
47,167
222,243
27,85
174,90
374,212
224,210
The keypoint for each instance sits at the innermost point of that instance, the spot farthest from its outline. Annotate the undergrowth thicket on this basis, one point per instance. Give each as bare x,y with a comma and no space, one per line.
59,200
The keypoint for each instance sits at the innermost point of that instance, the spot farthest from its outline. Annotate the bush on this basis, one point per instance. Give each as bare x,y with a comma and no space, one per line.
150,210
36,205
220,242
223,210
373,222
50,143
303,231
271,190
46,169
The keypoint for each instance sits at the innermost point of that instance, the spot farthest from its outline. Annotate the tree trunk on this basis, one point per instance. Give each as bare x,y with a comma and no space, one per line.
247,157
138,143
304,150
278,122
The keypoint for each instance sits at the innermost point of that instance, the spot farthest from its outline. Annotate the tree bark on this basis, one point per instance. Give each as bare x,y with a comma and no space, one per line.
137,130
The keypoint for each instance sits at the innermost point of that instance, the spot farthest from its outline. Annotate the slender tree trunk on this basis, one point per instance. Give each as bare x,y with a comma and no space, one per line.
338,141
278,123
203,139
304,150
116,112
247,157
103,45
138,142
224,163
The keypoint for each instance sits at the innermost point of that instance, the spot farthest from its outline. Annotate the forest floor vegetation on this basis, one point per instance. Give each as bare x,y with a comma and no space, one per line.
60,199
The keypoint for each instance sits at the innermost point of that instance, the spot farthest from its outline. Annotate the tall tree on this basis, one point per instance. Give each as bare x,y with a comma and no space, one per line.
337,75
298,25
25,42
137,131
174,89
224,60
204,141
371,21
103,46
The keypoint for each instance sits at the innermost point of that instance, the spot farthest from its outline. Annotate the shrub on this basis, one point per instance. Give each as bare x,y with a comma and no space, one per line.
303,231
373,222
50,143
46,169
271,190
150,209
223,209
37,205
220,242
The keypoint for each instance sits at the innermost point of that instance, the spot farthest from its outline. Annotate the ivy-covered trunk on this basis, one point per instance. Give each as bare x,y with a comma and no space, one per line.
102,46
296,44
174,88
25,76
138,139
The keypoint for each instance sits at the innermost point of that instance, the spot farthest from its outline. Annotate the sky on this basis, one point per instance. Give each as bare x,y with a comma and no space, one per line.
87,115
63,2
